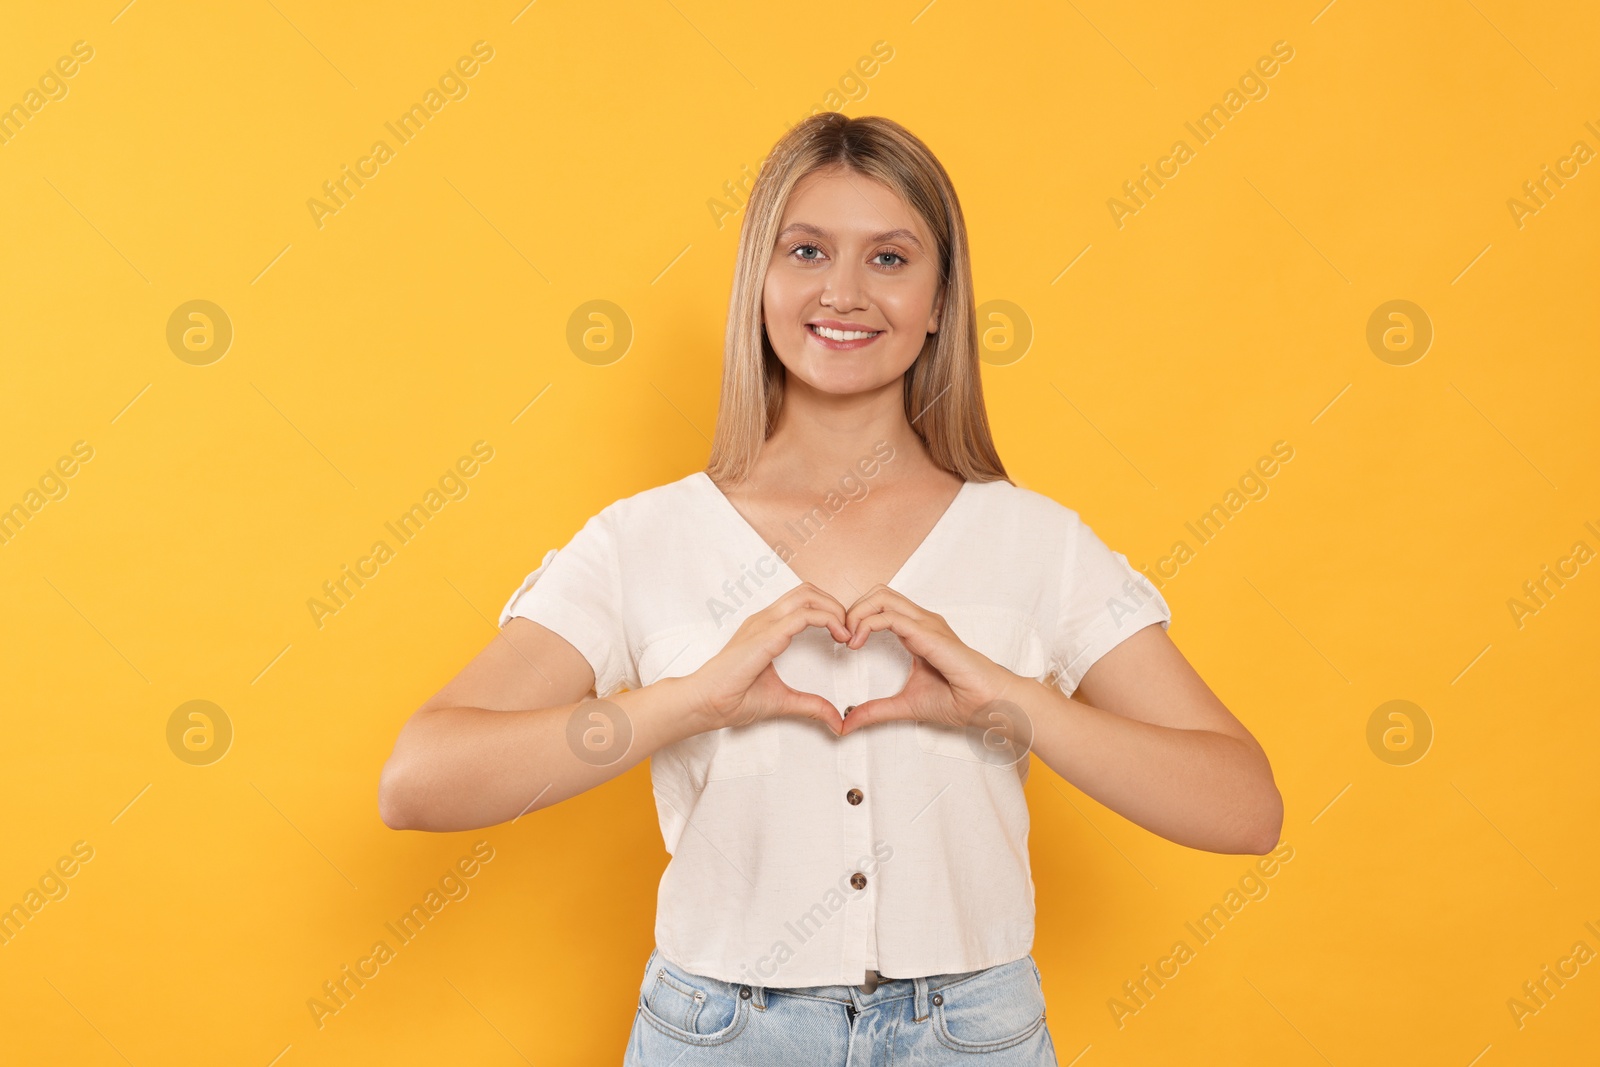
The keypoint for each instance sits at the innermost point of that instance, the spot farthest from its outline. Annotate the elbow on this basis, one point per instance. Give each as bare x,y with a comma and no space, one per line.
1261,808
1269,823
403,778
393,806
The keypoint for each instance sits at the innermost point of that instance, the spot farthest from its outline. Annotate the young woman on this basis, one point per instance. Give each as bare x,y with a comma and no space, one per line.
840,642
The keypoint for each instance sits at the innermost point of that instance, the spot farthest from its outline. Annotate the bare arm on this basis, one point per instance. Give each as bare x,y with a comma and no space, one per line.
1146,737
494,742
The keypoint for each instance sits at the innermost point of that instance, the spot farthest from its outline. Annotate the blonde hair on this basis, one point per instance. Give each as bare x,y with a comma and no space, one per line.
943,388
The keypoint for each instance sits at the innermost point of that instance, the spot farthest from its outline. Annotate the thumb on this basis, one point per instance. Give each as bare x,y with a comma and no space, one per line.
817,707
860,716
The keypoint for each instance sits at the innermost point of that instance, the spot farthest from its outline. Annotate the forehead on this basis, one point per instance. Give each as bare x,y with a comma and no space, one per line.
848,204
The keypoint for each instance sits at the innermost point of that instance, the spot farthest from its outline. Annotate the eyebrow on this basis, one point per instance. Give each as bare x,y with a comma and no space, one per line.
887,235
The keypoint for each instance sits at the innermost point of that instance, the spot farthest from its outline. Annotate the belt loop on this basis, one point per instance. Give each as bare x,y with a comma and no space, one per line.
758,997
921,1010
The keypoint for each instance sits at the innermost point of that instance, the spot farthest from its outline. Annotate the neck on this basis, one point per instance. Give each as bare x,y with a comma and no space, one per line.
820,436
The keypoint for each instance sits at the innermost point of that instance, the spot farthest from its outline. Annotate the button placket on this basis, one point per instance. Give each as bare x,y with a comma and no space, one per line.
855,837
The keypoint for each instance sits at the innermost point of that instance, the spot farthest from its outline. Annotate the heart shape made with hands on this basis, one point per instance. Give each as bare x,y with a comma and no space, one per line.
995,730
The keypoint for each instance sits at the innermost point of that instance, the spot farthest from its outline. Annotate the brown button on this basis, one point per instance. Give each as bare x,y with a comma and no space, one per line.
854,796
858,880
938,998
744,992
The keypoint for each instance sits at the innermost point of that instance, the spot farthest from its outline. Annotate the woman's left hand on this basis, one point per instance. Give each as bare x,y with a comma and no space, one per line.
950,684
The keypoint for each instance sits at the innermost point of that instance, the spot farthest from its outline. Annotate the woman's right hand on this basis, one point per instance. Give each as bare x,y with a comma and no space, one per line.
738,686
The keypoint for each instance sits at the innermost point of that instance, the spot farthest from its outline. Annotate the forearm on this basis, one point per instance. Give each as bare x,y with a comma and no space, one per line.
1199,788
464,768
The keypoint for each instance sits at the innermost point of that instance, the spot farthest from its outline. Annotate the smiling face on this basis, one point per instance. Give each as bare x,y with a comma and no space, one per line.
852,291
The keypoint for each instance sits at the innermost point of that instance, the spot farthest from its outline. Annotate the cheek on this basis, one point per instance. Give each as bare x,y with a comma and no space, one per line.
908,312
784,309
779,294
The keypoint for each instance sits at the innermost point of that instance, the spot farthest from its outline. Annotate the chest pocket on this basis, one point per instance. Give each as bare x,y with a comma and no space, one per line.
1008,637
716,755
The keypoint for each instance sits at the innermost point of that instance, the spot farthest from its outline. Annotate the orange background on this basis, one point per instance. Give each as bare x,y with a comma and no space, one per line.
586,162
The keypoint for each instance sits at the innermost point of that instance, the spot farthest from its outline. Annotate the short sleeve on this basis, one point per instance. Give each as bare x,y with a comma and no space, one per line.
576,591
1103,601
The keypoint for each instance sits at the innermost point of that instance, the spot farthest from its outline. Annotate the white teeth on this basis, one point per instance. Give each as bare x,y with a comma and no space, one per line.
845,335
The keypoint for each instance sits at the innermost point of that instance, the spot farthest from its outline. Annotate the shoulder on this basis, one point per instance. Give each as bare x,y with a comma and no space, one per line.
666,497
652,519
1027,510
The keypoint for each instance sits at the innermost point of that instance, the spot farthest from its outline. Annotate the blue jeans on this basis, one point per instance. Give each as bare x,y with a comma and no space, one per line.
689,1020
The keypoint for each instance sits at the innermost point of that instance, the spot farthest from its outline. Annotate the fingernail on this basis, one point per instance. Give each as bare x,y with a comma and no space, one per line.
848,709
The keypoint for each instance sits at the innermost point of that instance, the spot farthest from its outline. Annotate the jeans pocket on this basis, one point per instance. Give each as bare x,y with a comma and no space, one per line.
693,1009
996,1008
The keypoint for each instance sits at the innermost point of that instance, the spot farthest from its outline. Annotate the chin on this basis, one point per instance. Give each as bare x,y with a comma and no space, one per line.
832,382
846,371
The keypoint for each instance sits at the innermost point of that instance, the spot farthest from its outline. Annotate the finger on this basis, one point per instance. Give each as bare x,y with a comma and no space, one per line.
815,595
879,709
813,706
878,599
809,596
804,617
872,600
911,630
822,594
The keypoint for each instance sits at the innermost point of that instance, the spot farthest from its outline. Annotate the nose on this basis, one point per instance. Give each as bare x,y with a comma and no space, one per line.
843,288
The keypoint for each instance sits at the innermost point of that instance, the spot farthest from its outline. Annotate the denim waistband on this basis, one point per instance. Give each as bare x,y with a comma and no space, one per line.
888,989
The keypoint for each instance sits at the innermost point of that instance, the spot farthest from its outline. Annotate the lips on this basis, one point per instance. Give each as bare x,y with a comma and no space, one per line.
848,345
817,328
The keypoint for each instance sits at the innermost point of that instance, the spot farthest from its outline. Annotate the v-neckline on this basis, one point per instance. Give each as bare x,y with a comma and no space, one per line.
751,533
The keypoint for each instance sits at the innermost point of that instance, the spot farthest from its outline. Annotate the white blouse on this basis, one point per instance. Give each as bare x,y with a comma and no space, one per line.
799,858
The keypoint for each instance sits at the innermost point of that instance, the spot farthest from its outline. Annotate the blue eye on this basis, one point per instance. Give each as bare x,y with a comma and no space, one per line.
901,260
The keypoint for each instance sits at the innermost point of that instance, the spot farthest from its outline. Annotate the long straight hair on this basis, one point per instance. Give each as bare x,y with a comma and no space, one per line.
943,392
